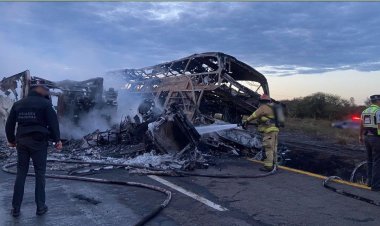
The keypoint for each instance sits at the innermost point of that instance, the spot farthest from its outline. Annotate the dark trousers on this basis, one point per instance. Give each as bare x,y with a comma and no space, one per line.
39,156
372,144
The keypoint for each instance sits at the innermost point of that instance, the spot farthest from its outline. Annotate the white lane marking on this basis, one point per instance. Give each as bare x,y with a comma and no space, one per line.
189,193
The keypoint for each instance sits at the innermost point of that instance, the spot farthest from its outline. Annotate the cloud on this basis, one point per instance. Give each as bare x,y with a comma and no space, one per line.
80,40
160,12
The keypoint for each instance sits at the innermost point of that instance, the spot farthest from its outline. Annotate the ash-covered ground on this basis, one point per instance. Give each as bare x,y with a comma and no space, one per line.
5,151
309,155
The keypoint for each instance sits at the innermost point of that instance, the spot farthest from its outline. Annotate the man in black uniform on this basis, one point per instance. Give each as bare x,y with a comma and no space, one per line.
370,135
36,123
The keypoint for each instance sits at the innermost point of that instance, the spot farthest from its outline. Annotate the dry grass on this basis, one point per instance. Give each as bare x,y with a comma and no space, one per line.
322,129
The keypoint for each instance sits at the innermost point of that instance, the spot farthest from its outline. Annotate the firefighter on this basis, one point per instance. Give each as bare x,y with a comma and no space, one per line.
370,135
36,123
267,127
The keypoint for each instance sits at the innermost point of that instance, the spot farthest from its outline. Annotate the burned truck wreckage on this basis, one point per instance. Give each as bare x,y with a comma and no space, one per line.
189,109
71,99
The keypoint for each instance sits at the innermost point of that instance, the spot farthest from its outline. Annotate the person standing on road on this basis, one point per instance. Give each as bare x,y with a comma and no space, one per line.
36,123
370,135
267,126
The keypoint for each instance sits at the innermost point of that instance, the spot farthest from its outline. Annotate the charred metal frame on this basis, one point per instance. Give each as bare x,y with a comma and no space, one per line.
199,83
9,84
78,97
73,97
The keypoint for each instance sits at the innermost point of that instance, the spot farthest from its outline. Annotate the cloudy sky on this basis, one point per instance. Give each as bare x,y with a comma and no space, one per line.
301,47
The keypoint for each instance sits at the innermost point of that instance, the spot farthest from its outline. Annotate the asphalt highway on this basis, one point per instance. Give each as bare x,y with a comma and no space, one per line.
286,198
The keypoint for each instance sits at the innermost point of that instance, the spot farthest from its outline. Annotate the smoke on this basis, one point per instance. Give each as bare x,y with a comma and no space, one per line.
88,123
127,102
96,119
100,119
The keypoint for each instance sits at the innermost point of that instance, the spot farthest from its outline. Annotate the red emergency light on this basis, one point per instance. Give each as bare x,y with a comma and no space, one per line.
355,118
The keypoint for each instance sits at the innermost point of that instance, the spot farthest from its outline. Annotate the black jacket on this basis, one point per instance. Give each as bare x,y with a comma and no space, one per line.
34,114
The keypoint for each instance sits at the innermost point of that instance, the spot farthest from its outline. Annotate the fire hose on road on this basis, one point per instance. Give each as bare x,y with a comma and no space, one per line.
146,171
145,219
327,184
352,178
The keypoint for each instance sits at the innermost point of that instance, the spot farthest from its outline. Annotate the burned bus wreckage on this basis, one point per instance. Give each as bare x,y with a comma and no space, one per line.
202,85
188,109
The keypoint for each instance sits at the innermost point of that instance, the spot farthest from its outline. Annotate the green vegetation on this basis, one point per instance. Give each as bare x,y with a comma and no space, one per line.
322,106
314,114
321,129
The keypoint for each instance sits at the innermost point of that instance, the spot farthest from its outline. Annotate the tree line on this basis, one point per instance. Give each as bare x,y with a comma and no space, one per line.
322,106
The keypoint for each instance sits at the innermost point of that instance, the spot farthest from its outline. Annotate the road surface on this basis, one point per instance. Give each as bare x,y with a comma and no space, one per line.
286,198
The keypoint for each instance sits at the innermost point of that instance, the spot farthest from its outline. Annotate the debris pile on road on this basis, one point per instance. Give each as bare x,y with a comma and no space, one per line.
5,152
170,135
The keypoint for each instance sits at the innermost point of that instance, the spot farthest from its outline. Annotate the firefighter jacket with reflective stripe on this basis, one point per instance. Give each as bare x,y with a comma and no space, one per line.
265,118
371,120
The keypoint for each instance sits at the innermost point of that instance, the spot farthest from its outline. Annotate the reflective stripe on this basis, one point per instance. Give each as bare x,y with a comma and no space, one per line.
252,117
372,109
266,122
371,118
267,118
271,129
